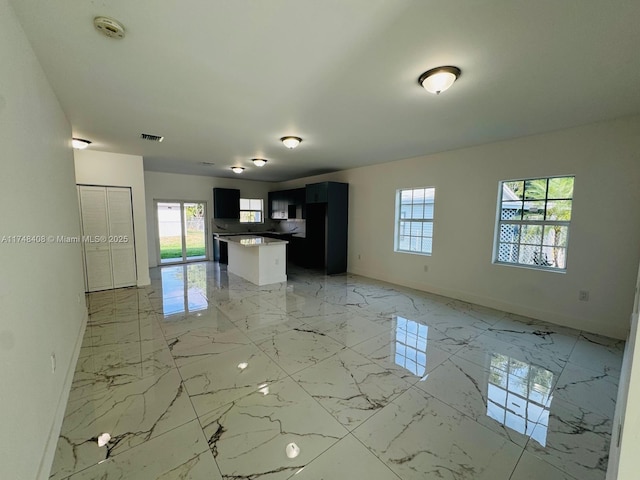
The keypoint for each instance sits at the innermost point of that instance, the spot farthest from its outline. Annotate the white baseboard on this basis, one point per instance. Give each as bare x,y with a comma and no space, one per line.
52,441
539,314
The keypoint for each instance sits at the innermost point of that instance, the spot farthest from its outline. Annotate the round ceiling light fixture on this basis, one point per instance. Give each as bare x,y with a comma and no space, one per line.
259,162
80,143
109,27
237,169
291,142
439,79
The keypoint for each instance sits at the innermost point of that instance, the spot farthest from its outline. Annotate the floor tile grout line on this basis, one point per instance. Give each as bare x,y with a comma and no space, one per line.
182,383
562,368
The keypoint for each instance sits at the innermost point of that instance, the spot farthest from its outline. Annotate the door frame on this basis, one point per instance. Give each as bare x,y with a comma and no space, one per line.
184,259
626,419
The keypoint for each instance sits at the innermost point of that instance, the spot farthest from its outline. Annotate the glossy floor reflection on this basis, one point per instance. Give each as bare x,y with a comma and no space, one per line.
203,375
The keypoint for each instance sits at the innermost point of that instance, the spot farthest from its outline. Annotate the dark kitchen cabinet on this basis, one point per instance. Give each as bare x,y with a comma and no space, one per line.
298,252
287,204
326,226
226,203
220,251
317,192
277,205
299,200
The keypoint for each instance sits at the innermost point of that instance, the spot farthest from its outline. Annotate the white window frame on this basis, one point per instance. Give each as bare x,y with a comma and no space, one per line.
520,224
425,219
250,205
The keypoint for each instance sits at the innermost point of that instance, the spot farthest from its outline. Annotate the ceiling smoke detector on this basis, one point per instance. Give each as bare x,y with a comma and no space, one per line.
109,27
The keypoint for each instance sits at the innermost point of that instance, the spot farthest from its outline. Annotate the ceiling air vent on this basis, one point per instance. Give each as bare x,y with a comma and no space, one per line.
152,138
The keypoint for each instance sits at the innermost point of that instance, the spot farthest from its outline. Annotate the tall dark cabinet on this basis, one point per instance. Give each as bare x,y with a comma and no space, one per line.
327,218
226,203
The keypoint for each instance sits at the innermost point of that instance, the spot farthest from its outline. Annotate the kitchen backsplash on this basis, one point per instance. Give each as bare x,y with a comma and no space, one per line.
297,225
234,226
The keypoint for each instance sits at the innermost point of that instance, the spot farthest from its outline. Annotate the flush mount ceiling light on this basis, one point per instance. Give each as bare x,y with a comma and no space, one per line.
79,143
259,162
237,169
439,79
291,142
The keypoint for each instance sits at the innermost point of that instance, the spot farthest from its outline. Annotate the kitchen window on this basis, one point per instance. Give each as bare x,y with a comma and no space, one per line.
414,220
251,210
533,219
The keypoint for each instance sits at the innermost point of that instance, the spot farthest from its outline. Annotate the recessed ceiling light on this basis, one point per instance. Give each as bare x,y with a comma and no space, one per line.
439,79
291,142
80,144
259,162
237,169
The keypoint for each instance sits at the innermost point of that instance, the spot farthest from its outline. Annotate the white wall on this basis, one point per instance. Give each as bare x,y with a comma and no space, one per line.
119,170
604,237
171,186
41,284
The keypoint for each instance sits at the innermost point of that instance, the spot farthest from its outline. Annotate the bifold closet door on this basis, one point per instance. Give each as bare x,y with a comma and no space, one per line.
107,230
123,254
95,232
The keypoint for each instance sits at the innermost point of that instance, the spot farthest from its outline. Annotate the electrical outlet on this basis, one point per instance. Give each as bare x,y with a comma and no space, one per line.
583,295
426,268
277,261
359,258
53,363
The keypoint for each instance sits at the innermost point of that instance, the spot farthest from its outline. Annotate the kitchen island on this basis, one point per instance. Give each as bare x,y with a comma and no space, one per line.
260,260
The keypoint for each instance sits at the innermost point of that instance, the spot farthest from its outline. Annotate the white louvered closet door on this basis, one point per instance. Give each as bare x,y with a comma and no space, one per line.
107,229
123,254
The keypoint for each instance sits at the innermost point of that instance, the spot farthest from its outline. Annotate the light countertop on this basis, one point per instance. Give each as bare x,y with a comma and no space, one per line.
251,240
283,234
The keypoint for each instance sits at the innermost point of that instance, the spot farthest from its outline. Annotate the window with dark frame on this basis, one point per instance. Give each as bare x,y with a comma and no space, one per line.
533,222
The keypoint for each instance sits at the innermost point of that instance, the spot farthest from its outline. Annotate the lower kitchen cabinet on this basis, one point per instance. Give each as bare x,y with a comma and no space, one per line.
298,251
220,251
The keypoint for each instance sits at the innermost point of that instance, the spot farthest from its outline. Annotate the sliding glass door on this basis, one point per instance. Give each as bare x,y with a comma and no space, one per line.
182,231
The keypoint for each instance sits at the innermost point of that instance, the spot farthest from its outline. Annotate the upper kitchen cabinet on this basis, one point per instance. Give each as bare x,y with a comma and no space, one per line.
287,204
226,203
326,225
317,192
277,205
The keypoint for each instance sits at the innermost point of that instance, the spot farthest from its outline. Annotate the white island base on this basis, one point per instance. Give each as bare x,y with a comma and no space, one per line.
258,259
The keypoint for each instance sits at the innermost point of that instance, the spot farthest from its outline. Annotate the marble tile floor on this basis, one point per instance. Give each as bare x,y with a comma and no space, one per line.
203,375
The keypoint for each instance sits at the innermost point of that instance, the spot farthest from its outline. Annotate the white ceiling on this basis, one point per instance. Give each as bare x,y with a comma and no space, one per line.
223,80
